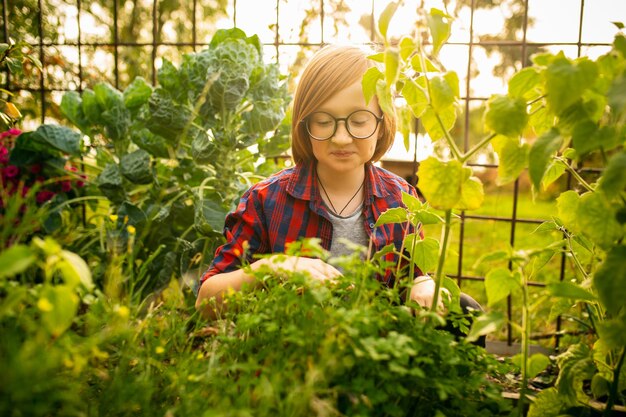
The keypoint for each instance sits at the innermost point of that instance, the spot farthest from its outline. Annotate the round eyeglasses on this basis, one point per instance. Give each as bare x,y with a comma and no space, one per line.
360,124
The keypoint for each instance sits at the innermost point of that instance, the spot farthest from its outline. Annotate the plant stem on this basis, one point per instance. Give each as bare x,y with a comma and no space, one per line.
455,149
525,345
442,259
478,147
613,392
576,175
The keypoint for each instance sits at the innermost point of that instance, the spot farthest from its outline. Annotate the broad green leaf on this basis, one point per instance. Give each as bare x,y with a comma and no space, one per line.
548,403
111,184
555,169
405,124
155,145
588,137
168,77
436,127
15,260
385,18
444,90
485,324
422,64
136,167
576,366
566,80
541,152
596,218
600,386
392,215
472,194
74,270
499,284
566,289
59,137
525,83
506,115
439,24
91,108
392,65
407,47
411,202
209,216
72,108
370,78
441,182
385,101
107,96
617,95
425,253
416,97
613,180
137,93
58,306
537,363
567,205
613,332
610,280
512,158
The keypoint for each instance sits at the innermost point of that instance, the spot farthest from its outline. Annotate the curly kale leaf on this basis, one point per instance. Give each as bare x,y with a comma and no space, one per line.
137,93
114,114
135,166
154,144
203,149
167,118
111,184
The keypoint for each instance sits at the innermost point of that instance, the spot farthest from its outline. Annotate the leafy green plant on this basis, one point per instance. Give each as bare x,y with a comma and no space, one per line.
173,159
575,109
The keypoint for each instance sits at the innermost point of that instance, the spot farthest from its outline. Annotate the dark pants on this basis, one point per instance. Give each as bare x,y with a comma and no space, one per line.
469,306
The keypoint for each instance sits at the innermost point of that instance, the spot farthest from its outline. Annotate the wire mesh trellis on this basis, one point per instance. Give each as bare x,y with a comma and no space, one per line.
282,42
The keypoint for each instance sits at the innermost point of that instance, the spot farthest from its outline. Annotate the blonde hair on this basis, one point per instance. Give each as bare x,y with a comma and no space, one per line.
332,69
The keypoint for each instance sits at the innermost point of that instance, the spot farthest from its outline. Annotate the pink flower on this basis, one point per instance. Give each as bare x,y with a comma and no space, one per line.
11,171
80,183
25,190
43,196
71,168
66,186
14,132
35,168
4,155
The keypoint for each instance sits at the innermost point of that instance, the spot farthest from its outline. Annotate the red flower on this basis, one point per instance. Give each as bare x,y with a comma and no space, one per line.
35,168
66,186
80,183
11,171
4,155
43,196
14,132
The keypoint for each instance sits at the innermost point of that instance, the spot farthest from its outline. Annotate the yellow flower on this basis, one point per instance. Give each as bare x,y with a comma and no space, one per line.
159,350
12,111
44,305
113,217
131,229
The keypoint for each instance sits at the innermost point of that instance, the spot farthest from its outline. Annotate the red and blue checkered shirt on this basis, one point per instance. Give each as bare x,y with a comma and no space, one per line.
288,206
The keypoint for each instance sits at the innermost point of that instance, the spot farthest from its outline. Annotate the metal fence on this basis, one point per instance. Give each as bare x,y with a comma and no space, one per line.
84,41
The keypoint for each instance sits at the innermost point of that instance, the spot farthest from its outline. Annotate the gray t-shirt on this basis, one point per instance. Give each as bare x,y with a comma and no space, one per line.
349,227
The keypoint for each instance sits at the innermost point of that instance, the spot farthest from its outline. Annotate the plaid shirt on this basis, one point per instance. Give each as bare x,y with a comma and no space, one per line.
288,206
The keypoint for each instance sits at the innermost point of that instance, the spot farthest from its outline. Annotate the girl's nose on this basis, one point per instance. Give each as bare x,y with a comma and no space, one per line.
341,136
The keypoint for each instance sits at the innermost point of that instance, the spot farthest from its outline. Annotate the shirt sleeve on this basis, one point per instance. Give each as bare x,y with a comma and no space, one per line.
245,234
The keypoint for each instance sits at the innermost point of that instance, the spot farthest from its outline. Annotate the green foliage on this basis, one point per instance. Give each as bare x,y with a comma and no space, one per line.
177,154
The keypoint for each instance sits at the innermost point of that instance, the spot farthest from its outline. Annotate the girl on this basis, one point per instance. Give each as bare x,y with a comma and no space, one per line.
333,192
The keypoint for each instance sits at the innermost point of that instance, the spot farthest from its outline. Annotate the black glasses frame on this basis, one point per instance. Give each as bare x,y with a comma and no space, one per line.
345,122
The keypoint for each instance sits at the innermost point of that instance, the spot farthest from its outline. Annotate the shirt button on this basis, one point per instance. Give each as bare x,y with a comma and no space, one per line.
371,225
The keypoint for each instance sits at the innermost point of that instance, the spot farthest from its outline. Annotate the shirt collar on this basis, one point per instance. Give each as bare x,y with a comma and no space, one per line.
303,183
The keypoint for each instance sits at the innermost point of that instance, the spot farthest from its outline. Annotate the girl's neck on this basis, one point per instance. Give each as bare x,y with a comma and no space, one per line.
341,182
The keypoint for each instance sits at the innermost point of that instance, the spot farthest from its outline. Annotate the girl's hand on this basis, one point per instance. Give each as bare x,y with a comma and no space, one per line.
316,268
423,290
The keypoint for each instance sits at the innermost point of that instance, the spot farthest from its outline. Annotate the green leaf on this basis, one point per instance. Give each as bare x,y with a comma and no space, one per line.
566,81
485,324
74,270
472,194
441,182
392,65
72,108
15,260
567,205
110,183
59,137
567,289
512,158
541,153
58,306
209,216
415,97
155,145
169,77
422,64
555,169
91,108
439,24
432,126
613,332
610,280
548,403
499,284
137,93
576,366
524,84
136,167
537,363
596,218
407,47
392,215
369,81
385,18
506,115
385,101
425,253
444,90
613,180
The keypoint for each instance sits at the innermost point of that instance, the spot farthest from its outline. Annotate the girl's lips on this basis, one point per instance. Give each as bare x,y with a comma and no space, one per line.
341,154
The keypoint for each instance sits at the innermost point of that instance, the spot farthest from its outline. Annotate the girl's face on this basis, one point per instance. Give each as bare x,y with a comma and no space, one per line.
343,153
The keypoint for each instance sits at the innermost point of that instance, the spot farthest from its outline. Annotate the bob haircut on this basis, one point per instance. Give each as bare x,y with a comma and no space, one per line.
332,69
